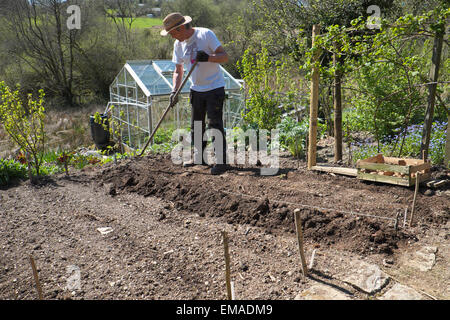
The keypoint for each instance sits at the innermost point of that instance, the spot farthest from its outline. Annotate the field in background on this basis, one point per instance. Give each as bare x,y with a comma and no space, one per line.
144,22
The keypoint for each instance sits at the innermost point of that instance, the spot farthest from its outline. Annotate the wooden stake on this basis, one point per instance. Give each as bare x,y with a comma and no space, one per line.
314,104
298,226
414,200
396,221
404,218
227,265
36,278
311,263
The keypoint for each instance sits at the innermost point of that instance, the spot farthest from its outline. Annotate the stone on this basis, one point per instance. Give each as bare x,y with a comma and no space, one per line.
423,259
429,192
105,230
366,277
322,292
401,292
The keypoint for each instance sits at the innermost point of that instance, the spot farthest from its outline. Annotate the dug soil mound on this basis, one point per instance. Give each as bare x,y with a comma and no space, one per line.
337,211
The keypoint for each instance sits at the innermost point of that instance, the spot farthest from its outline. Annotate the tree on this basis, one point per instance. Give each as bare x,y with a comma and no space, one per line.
44,43
204,13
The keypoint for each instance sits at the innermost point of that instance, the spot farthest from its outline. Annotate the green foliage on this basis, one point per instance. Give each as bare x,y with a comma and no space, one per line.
203,12
10,170
24,123
384,70
268,89
293,135
162,141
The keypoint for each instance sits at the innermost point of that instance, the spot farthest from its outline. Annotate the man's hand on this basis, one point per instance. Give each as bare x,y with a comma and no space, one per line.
173,99
202,56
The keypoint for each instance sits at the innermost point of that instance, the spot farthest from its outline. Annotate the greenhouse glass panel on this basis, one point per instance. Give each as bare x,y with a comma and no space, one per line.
166,68
152,80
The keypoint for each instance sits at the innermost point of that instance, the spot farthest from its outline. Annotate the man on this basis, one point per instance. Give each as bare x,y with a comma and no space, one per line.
208,84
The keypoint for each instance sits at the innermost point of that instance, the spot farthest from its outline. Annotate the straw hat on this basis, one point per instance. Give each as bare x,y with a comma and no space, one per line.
174,20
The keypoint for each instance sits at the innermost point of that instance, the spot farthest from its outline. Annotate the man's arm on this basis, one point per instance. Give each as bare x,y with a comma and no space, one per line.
177,77
219,56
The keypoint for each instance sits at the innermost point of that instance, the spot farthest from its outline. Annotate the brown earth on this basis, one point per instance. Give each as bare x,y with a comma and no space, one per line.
167,222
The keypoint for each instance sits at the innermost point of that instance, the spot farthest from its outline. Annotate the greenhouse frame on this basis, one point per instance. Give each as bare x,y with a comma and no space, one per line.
139,95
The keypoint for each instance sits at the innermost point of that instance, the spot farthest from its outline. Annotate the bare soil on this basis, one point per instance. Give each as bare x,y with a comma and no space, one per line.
167,222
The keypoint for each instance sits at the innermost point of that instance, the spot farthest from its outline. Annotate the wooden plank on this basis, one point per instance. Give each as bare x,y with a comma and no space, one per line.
376,159
338,170
420,167
382,178
384,167
423,177
408,162
436,183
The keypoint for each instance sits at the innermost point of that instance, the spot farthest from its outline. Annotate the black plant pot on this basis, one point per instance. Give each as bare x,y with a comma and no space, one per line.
98,132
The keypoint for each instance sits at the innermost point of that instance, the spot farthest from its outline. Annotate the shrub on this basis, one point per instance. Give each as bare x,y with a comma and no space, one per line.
293,135
11,169
264,81
24,123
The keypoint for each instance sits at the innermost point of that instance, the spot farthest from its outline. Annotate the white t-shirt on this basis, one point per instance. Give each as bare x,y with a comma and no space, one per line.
207,75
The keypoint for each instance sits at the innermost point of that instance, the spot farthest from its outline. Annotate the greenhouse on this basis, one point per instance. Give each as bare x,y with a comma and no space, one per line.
139,95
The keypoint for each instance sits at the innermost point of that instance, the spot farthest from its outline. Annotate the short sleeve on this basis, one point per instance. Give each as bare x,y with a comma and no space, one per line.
213,42
177,56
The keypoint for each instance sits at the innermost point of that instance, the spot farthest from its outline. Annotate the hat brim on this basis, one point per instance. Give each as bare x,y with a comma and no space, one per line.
165,32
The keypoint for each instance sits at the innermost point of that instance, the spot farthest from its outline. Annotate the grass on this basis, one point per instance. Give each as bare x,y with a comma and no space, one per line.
144,22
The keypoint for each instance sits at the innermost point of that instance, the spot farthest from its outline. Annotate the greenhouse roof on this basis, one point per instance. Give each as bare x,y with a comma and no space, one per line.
154,77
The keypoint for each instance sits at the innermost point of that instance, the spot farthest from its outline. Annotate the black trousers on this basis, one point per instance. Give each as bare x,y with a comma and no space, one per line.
209,103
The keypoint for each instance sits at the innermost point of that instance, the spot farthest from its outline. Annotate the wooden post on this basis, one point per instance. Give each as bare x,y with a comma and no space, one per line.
337,112
414,200
227,265
314,104
434,75
36,278
404,217
298,227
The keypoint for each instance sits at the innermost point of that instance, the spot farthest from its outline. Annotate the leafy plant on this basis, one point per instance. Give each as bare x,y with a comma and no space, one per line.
11,169
265,80
293,135
24,123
